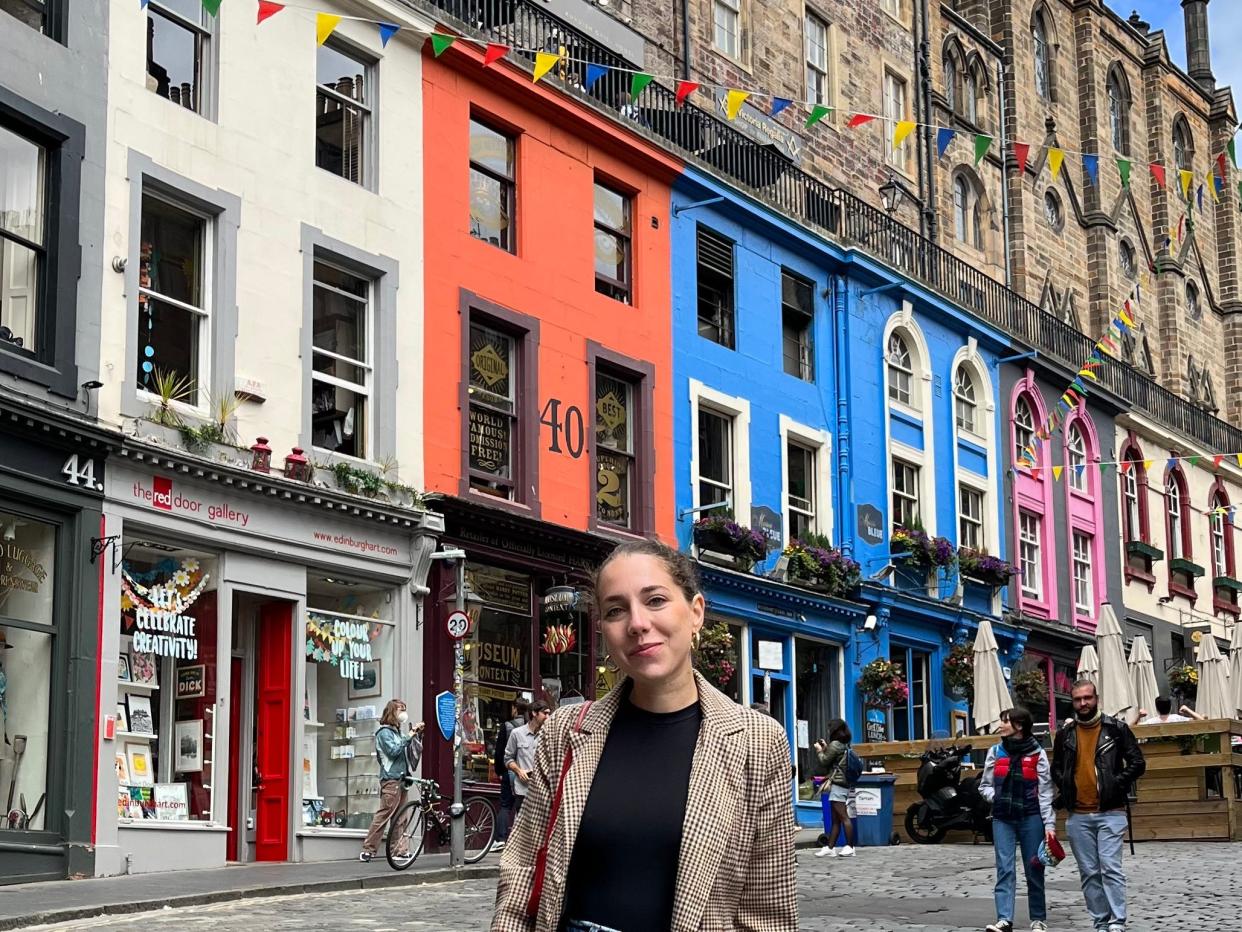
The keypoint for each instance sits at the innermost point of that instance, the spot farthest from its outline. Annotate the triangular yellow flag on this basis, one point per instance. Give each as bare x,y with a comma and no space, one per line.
1187,177
1125,318
1056,473
1055,158
1147,465
544,62
1211,186
325,25
1240,459
903,129
733,103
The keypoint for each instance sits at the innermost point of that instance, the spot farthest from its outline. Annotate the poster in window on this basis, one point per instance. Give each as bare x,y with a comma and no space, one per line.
367,684
192,682
490,441
122,771
122,718
140,771
141,802
142,668
188,740
172,802
122,670
141,721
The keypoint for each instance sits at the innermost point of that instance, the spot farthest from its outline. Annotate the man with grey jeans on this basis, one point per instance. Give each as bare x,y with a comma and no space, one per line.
1095,761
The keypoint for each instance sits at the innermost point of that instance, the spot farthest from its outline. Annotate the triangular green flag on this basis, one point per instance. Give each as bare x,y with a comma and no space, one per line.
439,43
1123,168
212,6
818,112
1194,461
1104,466
982,144
638,82
1233,153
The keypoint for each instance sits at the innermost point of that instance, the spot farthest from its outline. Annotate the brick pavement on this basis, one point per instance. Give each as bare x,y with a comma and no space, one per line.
1174,888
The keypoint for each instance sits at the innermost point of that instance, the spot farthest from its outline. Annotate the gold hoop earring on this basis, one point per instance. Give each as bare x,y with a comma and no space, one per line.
694,640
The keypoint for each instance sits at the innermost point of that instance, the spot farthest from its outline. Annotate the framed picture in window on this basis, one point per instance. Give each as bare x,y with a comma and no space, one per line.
142,668
141,773
141,721
122,771
960,724
368,684
188,746
122,718
122,670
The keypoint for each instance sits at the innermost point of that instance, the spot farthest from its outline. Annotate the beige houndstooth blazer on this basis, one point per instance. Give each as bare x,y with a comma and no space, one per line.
736,870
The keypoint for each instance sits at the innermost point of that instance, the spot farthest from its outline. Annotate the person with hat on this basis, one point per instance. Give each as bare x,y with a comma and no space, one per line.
1017,781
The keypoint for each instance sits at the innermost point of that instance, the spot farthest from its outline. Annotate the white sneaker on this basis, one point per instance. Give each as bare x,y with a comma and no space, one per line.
846,852
1039,926
1116,927
826,852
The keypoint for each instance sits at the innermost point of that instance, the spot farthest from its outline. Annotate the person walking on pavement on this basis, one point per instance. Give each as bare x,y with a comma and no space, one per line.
520,752
504,820
832,757
664,805
1017,781
1095,761
398,756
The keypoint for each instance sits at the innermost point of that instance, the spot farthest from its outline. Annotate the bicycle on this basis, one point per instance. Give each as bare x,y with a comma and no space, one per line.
410,824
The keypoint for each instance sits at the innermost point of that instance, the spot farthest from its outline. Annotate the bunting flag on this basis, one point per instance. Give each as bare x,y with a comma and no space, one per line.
326,23
1220,162
1125,466
593,74
817,113
1021,152
779,104
267,10
1194,460
388,30
1157,172
212,7
1187,177
1233,152
944,136
545,62
1239,456
685,89
982,144
639,82
142,4
1080,469
859,119
733,102
1055,158
439,43
1218,186
1216,460
1147,465
903,129
1056,472
1091,163
495,52
1123,169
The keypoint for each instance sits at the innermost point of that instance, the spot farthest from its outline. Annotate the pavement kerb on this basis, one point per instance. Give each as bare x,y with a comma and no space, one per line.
73,914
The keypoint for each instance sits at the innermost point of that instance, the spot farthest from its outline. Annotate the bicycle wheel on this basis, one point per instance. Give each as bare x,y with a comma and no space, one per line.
405,836
480,817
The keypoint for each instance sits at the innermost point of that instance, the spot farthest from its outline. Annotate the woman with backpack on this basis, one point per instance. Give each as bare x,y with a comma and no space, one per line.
836,758
398,756
1017,780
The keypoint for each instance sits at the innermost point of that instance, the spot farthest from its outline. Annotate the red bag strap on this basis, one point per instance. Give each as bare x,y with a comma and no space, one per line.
541,859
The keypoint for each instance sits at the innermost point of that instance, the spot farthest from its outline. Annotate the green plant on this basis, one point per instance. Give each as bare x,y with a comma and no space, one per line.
719,531
925,552
198,439
1030,687
169,387
356,480
1184,679
822,564
400,488
959,668
881,684
715,656
223,411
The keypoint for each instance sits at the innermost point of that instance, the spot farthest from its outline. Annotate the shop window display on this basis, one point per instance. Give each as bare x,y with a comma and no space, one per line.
818,666
166,690
350,675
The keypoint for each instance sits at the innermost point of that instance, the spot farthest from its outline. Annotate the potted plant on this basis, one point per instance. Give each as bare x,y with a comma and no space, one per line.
812,562
1030,687
985,568
716,655
720,533
927,556
1184,680
959,670
882,685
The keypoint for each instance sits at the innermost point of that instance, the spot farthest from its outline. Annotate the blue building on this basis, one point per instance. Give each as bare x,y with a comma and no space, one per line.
782,379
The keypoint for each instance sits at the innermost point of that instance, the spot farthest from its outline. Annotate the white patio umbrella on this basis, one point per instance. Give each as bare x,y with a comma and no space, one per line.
1116,693
1214,699
1143,676
991,693
1089,665
1235,668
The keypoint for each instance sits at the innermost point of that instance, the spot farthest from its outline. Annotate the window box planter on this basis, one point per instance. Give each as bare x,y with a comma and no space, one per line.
1225,591
1227,583
721,538
821,569
1140,548
978,595
1189,567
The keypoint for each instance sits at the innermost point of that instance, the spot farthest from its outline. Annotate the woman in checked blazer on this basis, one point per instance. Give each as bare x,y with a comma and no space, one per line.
665,805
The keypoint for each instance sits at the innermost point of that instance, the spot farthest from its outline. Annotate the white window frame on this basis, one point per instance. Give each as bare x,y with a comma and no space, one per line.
896,95
964,518
729,9
366,390
1131,514
1022,429
893,8
969,360
1032,582
900,459
1220,551
739,408
1076,456
207,29
1042,57
963,399
904,383
819,71
367,108
818,442
1174,516
1083,572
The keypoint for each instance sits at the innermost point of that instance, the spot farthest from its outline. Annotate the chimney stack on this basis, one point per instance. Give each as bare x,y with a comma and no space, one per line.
1198,47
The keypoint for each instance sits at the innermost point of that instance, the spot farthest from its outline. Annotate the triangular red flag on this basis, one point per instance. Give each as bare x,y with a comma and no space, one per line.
1220,160
1216,460
267,9
684,90
858,119
1021,150
1125,466
495,52
1157,172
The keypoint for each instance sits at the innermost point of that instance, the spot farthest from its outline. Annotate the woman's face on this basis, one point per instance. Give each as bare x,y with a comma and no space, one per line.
645,618
1006,728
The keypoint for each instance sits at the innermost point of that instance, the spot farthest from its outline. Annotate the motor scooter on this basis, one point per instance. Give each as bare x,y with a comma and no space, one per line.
948,802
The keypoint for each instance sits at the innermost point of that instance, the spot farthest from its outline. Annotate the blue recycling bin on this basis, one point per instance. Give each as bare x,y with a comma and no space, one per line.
827,805
874,829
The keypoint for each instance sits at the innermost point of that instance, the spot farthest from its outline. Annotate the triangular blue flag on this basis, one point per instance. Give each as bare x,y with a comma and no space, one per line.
1079,468
594,73
1092,164
1172,464
944,136
779,104
142,4
387,31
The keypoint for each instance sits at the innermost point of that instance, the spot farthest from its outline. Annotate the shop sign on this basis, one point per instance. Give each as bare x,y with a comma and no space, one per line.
21,571
520,548
502,664
344,642
870,524
767,522
764,130
158,612
510,592
877,726
191,682
560,599
490,439
79,469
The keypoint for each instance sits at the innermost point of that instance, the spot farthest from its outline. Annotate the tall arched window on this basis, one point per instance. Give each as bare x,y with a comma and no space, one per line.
1183,144
900,371
1043,56
1221,529
1175,518
970,95
1076,459
951,78
1119,111
961,207
965,404
1133,495
1023,426
1193,307
969,216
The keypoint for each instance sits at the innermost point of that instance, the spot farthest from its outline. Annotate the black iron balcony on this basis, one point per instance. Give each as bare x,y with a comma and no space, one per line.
700,136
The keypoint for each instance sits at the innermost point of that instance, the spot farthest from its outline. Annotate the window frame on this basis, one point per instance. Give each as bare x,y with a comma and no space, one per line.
625,236
54,17
1043,58
725,323
976,521
1176,518
1021,428
908,499
806,336
906,370
1183,144
1033,592
1136,474
818,73
640,375
509,185
912,659
729,455
965,399
1118,97
1087,609
205,32
818,443
736,9
1075,456
365,389
896,107
703,397
524,330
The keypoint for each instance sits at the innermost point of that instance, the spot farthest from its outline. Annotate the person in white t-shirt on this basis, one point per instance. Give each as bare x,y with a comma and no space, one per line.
1165,715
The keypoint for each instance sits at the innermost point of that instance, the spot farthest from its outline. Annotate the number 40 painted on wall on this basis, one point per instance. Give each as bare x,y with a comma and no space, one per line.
572,424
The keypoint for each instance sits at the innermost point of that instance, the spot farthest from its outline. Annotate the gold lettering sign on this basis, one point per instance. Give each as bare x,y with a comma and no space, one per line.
489,441
17,559
611,411
489,365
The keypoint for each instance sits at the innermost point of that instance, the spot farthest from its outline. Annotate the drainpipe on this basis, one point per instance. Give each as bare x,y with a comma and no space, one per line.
1000,96
923,69
841,382
685,39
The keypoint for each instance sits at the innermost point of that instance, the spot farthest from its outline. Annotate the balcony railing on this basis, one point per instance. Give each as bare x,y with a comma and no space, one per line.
701,136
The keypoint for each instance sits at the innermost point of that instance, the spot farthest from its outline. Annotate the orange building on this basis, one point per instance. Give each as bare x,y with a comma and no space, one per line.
549,427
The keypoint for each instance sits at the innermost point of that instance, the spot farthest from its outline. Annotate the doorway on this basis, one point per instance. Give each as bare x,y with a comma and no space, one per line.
260,778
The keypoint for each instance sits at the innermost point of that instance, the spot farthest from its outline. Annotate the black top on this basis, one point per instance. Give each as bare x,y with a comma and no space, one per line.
623,873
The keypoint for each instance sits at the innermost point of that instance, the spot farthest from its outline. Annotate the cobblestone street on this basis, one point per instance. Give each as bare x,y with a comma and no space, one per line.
1173,888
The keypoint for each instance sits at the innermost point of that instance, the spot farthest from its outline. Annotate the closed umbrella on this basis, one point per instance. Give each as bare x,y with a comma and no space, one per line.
991,693
1235,675
1116,693
1143,676
1089,665
1213,699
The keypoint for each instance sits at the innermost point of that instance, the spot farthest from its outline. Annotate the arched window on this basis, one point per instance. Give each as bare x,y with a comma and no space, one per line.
1128,258
965,404
1175,517
1222,542
900,370
1183,144
1052,210
1043,56
1023,426
961,206
950,81
1133,495
1076,459
1193,307
970,95
969,215
1119,110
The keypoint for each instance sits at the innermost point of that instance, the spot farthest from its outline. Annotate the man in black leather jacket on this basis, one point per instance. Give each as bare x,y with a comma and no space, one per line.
1094,785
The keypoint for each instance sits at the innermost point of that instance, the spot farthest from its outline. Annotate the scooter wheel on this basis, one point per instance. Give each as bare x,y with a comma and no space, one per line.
924,835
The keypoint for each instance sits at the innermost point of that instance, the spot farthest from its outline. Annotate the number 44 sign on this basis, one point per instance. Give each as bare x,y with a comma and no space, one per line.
81,471
458,625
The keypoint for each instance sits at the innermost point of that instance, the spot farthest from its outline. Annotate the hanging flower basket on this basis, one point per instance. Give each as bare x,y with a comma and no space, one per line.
1030,687
716,655
929,553
721,534
959,670
822,568
989,570
882,685
1184,680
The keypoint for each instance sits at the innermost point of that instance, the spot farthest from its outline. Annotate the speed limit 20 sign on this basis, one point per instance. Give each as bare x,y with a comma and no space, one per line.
458,625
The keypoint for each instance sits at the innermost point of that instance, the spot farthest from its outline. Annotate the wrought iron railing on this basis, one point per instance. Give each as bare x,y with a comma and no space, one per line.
692,131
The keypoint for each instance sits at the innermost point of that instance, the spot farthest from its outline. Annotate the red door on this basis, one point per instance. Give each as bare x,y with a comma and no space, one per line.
237,818
273,673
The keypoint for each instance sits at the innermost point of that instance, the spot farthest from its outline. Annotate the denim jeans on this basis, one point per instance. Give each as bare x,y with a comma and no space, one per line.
1007,836
1097,839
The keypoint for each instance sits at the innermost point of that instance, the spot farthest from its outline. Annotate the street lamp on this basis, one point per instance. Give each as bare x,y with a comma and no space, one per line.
465,601
890,194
